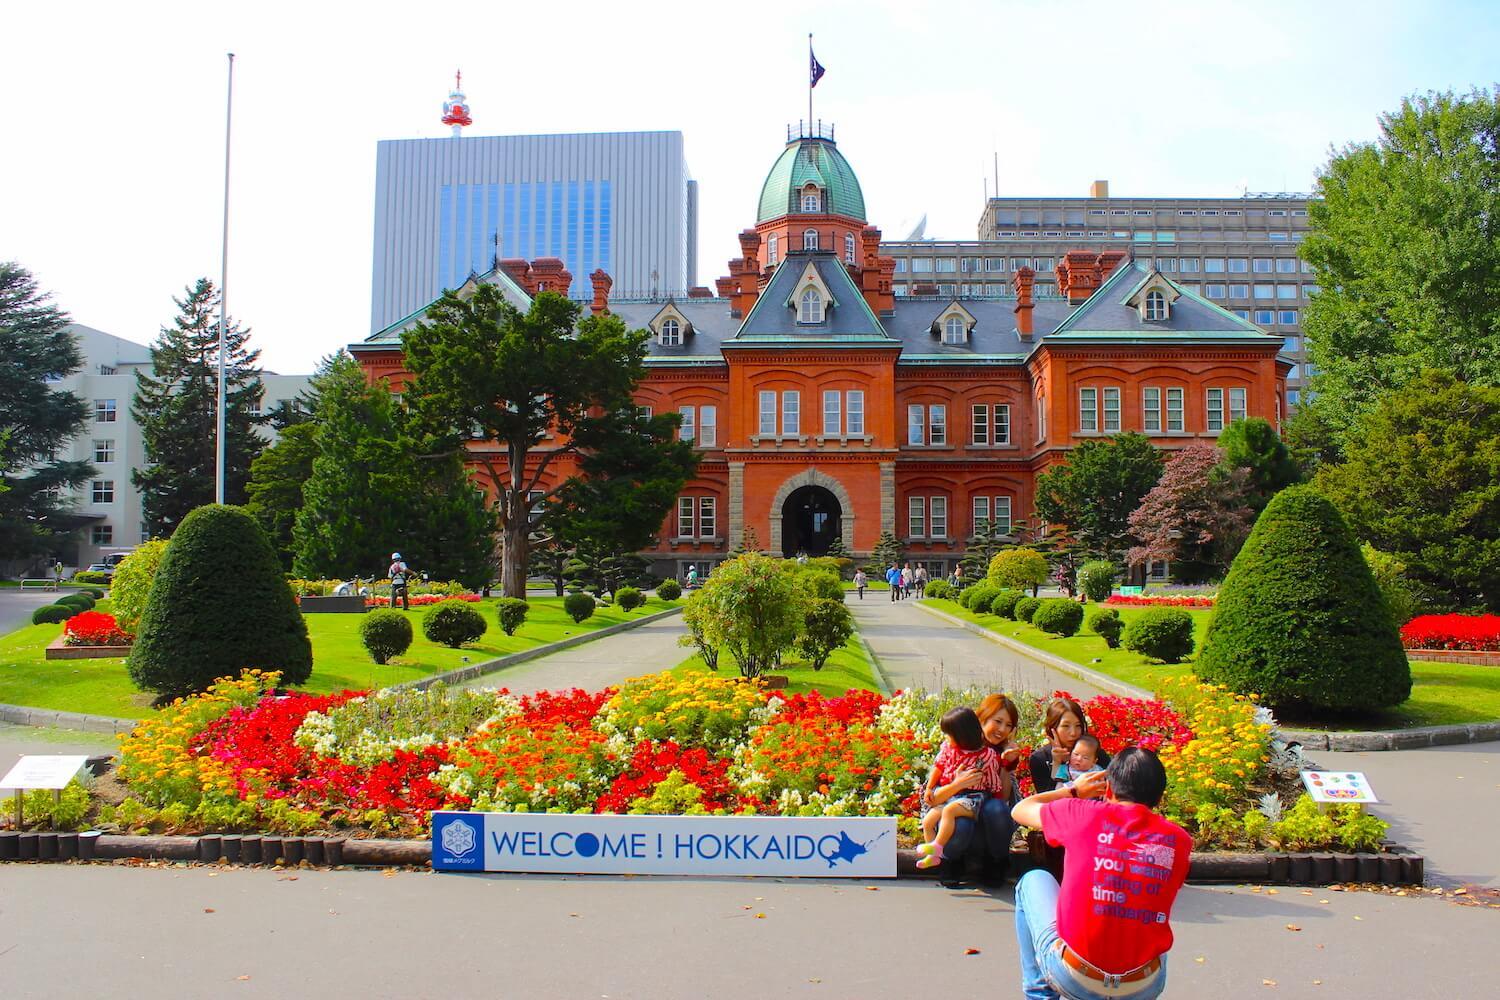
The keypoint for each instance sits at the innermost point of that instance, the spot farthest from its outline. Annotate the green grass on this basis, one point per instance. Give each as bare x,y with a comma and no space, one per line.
1442,693
848,668
102,687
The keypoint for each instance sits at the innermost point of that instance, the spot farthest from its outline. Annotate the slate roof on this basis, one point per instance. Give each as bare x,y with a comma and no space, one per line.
819,161
512,292
1107,312
846,320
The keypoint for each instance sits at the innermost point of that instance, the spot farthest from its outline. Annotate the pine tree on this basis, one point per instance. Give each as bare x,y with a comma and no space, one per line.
275,488
987,541
887,551
176,407
35,419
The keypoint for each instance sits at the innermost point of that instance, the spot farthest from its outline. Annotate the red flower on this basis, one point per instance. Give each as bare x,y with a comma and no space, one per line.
1475,632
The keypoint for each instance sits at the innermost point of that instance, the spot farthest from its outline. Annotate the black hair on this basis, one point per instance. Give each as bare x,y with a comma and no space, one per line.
962,726
1088,741
1136,775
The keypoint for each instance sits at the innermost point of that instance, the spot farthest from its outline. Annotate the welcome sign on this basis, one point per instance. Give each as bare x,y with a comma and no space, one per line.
812,847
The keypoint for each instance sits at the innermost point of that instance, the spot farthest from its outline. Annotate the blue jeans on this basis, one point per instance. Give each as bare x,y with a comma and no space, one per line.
1044,975
990,833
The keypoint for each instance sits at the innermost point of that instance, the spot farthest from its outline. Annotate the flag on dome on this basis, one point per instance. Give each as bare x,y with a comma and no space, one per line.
816,69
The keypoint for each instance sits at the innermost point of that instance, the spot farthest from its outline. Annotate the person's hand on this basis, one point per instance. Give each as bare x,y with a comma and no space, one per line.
1060,755
1011,755
1091,785
968,778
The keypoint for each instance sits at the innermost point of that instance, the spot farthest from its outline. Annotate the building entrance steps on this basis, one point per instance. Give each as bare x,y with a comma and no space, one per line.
649,649
916,649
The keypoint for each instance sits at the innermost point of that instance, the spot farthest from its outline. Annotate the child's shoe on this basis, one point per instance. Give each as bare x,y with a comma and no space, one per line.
932,855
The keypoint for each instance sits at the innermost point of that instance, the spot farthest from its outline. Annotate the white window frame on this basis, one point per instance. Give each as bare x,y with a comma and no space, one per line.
854,412
937,517
1151,409
685,522
810,306
671,333
810,239
954,332
767,413
708,516
849,248
980,508
708,426
937,424
916,424
771,248
1175,398
1088,409
916,517
979,424
1002,520
811,202
688,431
105,411
791,413
1213,410
1001,423
1111,407
833,417
1156,306
104,451
1237,403
102,491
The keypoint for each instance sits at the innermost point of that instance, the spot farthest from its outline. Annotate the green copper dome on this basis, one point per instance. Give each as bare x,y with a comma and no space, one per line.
814,160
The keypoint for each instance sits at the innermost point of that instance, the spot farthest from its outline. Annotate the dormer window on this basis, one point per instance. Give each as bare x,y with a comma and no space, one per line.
1155,307
671,333
810,307
810,240
848,248
812,201
953,330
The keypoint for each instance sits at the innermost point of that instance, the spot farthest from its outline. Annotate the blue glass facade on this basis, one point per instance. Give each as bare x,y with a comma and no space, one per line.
570,220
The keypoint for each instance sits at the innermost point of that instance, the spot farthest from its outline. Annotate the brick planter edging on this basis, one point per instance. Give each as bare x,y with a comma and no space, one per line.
1479,658
57,649
1394,867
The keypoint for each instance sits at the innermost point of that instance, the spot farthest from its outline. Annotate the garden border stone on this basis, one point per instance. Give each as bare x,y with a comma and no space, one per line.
25,715
58,649
1478,658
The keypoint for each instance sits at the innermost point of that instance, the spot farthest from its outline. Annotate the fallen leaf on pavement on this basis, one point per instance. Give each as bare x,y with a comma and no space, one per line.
971,951
242,978
208,909
1268,982
284,878
1199,959
1359,918
760,916
1273,892
1317,982
1322,900
872,888
1293,927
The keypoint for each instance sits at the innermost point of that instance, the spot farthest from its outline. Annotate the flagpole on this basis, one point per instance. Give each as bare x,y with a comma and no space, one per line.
809,82
219,449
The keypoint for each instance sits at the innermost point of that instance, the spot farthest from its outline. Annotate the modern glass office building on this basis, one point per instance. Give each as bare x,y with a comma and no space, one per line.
447,208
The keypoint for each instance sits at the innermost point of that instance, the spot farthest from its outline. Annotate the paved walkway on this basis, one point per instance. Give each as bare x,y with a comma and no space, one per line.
593,665
917,649
16,606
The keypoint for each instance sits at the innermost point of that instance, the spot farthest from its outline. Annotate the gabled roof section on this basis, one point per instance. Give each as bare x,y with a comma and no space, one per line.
1109,313
1153,279
953,308
512,293
847,318
668,311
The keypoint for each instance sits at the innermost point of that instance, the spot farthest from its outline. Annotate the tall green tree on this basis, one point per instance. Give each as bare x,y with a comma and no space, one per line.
1094,495
36,419
275,488
1422,483
1253,445
534,383
176,407
1405,241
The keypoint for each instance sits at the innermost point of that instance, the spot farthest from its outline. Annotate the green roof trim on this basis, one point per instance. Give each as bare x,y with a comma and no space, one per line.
815,161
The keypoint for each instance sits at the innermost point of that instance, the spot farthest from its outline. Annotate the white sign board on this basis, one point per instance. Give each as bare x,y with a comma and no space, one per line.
43,771
813,847
1338,786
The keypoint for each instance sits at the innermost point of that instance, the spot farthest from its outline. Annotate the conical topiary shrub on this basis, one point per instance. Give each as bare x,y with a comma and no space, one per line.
218,605
1300,620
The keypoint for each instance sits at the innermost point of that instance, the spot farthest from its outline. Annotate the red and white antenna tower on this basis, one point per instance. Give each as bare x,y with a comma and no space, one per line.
456,107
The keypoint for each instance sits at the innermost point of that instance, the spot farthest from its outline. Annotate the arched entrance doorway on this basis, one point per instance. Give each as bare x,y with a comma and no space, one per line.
810,521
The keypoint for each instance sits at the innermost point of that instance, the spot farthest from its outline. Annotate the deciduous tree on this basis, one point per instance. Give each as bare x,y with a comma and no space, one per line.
1197,516
1093,496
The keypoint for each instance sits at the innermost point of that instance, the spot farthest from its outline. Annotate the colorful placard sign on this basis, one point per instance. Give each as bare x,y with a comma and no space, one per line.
1131,591
43,771
813,847
1338,786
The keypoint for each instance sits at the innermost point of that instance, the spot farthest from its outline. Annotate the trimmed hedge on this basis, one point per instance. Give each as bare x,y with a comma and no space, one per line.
1164,634
90,576
580,606
78,599
938,589
1058,616
628,598
453,623
1300,619
980,596
94,592
1026,608
1097,579
669,590
1005,603
385,633
51,614
512,613
200,624
1107,624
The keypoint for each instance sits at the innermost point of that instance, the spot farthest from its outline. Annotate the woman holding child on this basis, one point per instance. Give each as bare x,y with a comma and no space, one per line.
1050,763
983,838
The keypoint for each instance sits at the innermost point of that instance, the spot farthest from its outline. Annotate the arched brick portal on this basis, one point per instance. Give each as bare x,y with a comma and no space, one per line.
812,477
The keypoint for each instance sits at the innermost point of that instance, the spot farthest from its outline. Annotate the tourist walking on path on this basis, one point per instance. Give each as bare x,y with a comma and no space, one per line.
893,577
399,573
1105,932
860,582
906,580
919,578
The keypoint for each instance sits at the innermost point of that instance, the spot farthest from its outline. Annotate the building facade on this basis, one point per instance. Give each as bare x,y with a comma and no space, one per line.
447,208
828,407
1240,253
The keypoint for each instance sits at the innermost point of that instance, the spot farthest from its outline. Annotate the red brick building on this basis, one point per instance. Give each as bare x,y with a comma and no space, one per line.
826,407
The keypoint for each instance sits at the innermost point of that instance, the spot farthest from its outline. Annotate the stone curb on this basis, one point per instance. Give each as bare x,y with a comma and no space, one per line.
1102,681
23,715
881,677
501,662
1397,739
1395,867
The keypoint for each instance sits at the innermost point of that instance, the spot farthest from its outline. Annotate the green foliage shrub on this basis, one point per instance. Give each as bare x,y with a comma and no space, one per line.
1106,623
512,613
219,605
96,594
90,576
79,600
1058,616
938,589
132,584
1018,568
1300,620
827,627
453,623
1026,607
51,614
1164,634
966,596
1004,603
981,597
1097,579
628,598
818,583
1402,595
669,590
579,606
385,633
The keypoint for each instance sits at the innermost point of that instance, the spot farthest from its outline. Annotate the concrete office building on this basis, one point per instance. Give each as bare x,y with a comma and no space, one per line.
446,208
1240,253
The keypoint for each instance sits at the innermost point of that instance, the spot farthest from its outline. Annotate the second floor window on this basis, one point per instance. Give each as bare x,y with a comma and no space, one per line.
854,411
791,413
104,411
707,523
1090,411
708,426
687,431
926,425
104,451
103,491
810,240
1001,510
833,422
990,424
767,414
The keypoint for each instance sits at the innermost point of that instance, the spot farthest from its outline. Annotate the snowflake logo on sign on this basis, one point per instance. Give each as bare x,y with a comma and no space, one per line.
458,838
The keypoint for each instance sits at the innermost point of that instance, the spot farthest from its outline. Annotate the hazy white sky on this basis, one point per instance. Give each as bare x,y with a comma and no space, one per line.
112,118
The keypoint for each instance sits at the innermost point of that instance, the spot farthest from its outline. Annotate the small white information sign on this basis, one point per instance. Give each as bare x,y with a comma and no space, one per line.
1338,786
43,771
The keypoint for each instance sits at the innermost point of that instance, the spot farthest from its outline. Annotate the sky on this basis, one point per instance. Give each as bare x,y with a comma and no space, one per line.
112,119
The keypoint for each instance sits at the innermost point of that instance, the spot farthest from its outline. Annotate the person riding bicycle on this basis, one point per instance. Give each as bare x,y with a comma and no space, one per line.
399,574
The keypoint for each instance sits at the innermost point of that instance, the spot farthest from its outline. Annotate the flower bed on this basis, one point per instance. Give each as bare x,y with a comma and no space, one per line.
241,756
420,600
1480,633
1146,601
94,628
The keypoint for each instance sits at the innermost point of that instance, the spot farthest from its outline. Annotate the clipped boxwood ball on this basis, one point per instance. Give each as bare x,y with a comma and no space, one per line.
1058,616
78,599
980,596
385,633
669,590
1164,634
1005,603
579,606
1106,623
628,598
1026,607
93,592
51,614
512,613
453,623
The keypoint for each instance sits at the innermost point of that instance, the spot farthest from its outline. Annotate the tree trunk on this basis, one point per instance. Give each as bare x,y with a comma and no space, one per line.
513,557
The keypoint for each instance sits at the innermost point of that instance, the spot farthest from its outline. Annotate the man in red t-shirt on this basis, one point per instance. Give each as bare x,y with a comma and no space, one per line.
1104,932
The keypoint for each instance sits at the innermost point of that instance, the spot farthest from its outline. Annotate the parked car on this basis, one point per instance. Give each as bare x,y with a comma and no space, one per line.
105,568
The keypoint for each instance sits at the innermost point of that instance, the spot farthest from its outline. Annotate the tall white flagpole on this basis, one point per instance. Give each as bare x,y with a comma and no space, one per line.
809,82
219,456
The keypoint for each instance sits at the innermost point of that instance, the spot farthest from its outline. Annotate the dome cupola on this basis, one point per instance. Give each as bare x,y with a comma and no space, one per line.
810,177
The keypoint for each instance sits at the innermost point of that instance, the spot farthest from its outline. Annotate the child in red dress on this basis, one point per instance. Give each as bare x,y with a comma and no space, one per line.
965,772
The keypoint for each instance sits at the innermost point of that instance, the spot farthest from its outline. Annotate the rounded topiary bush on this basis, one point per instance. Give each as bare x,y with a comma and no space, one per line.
1005,602
453,623
51,614
94,592
579,606
512,613
219,604
385,633
1097,579
628,598
1026,607
1106,623
1058,616
669,590
980,598
938,589
1300,620
79,600
1164,634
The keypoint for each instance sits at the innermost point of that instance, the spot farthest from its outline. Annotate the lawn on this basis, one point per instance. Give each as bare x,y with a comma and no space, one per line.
102,687
1441,694
847,668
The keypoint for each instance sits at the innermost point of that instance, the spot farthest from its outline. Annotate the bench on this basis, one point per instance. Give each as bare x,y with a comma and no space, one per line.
38,584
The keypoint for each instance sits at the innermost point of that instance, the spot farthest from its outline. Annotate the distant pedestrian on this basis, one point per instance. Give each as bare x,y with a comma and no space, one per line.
893,578
860,582
692,579
399,573
919,580
906,580
957,579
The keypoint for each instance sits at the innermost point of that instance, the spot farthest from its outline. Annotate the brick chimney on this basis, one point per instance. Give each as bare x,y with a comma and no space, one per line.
1078,275
602,284
1025,278
520,273
874,274
699,292
551,275
1108,261
725,286
746,271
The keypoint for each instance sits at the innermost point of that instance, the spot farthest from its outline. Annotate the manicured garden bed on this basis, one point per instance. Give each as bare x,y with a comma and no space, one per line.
848,669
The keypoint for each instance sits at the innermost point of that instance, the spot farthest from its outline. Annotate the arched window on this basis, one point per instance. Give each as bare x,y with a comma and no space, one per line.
849,248
671,333
810,240
811,202
771,249
1156,306
811,310
953,330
